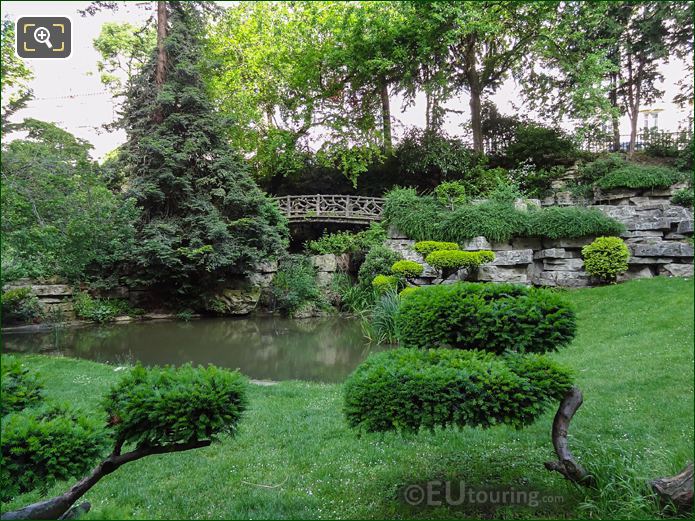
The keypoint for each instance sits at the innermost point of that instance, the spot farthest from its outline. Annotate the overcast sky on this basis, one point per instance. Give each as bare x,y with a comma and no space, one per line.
70,94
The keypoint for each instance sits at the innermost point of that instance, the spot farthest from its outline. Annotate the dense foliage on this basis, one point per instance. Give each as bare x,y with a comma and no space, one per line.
385,283
406,389
640,176
684,197
540,146
424,248
164,406
348,242
101,310
21,388
424,218
44,445
20,305
294,285
456,259
203,217
378,261
58,216
606,258
489,317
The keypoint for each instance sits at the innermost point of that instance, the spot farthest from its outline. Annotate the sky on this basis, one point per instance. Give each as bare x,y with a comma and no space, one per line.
70,94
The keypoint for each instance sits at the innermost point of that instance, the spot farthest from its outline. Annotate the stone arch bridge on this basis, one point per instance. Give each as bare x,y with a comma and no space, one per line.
352,209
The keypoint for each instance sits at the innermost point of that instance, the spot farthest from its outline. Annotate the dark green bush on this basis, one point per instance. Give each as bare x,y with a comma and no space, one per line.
20,387
595,170
378,261
489,317
567,222
407,268
684,197
451,194
606,258
164,406
20,305
294,285
543,146
41,446
406,389
348,242
640,176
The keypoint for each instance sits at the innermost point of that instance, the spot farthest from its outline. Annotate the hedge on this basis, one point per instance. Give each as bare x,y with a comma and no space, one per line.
489,317
406,389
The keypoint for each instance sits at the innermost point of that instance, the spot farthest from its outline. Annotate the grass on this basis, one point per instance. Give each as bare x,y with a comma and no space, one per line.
295,457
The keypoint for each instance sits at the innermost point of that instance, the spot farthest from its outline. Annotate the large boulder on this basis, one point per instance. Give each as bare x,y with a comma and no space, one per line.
230,301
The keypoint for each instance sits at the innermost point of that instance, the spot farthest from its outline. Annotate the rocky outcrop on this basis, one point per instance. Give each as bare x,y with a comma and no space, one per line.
233,301
55,299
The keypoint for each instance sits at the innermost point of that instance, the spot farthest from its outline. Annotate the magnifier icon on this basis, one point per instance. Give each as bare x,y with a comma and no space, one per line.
43,35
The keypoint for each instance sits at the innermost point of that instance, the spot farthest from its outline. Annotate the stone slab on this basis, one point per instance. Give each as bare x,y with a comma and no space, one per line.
663,249
512,257
676,270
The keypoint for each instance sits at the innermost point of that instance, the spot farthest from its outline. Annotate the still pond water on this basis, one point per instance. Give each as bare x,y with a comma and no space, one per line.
263,348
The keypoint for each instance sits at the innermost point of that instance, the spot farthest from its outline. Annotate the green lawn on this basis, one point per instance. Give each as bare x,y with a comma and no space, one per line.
295,458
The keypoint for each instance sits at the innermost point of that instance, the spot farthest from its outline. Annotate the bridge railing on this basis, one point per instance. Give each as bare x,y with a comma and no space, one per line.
331,207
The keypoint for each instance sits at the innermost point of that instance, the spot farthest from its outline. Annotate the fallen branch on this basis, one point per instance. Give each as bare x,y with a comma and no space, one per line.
59,506
676,491
566,464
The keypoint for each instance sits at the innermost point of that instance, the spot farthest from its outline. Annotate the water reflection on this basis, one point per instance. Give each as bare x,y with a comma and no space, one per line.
272,348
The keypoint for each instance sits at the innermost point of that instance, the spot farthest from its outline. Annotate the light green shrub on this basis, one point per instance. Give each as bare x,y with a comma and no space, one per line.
378,260
407,268
606,258
384,283
408,291
456,259
426,247
451,194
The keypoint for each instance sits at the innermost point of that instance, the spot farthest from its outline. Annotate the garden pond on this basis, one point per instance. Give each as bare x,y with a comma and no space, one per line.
263,348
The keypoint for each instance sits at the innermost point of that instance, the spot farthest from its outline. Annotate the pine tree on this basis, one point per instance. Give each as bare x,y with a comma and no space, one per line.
203,217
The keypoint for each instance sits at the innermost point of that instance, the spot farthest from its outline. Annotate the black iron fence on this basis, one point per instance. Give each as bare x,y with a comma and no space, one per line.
654,141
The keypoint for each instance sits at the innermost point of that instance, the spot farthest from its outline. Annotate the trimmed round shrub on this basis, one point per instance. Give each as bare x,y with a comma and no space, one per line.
163,406
405,389
488,317
606,258
457,259
407,268
378,260
45,445
426,247
20,387
385,283
407,291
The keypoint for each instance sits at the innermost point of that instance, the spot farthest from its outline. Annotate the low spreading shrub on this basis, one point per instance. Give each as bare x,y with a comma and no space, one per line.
571,222
101,310
45,445
385,283
21,388
606,258
294,285
457,259
489,317
406,389
683,197
640,176
348,242
422,218
426,247
407,269
20,305
600,167
378,260
189,404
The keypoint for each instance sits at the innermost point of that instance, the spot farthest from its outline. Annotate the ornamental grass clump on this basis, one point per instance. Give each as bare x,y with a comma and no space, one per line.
606,258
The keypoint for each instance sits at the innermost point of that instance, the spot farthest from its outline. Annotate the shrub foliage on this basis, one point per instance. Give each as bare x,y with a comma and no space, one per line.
606,258
407,268
427,247
378,261
457,259
20,305
640,176
406,389
489,317
294,285
348,242
20,387
385,283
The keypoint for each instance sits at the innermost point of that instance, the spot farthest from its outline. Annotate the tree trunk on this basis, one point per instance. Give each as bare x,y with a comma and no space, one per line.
386,115
161,70
58,506
566,464
634,117
615,119
676,491
476,120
